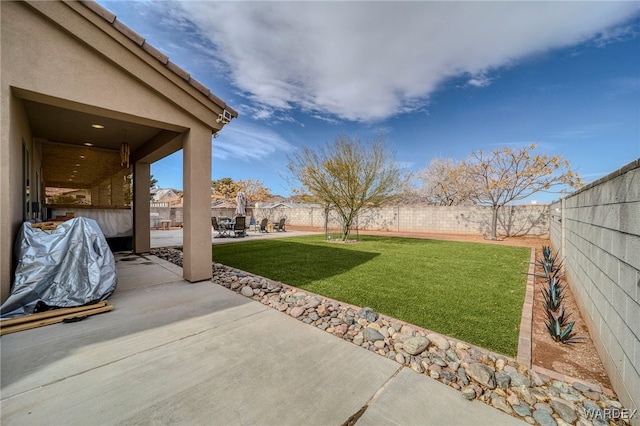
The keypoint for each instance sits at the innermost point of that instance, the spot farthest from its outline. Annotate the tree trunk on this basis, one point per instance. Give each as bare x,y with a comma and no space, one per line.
345,229
326,223
494,222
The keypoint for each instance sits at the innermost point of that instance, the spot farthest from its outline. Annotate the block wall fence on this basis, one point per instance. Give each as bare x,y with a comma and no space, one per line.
531,220
597,232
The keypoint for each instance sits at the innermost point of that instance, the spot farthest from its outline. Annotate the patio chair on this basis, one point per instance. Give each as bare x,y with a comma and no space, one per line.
222,232
279,226
263,225
239,227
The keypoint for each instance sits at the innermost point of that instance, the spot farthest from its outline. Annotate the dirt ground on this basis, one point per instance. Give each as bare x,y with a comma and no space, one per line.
579,360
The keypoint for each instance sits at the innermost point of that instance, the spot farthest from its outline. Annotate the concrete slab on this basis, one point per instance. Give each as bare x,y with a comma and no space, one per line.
140,321
240,374
186,353
414,399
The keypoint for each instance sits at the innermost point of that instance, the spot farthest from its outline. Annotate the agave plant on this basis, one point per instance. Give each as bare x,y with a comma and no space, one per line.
553,295
549,261
560,328
550,270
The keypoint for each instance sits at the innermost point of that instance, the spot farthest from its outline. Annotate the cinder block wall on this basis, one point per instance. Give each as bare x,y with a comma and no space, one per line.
598,230
532,220
163,211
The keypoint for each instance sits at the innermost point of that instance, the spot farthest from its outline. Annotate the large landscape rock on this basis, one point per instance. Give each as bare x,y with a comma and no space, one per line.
372,335
565,411
482,374
369,314
440,341
415,345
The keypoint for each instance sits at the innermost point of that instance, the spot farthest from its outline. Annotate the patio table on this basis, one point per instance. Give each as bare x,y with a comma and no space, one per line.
226,226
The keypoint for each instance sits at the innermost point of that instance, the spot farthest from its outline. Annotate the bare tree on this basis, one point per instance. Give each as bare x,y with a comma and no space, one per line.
444,184
348,176
255,190
225,188
505,175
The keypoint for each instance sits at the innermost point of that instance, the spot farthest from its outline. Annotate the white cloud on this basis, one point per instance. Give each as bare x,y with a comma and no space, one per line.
480,80
264,113
247,142
367,61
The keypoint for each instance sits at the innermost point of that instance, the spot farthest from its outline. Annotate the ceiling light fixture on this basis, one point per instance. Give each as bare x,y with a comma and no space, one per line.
88,144
97,126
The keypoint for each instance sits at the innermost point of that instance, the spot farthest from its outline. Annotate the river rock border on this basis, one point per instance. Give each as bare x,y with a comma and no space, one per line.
479,374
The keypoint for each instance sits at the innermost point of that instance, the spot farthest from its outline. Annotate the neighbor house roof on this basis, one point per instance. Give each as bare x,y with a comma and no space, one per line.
161,57
163,194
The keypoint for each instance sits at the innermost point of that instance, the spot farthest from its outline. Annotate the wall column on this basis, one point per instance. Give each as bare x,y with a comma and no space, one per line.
197,204
95,195
141,207
117,191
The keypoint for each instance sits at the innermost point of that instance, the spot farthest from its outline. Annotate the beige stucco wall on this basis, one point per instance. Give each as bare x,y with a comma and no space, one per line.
13,133
42,58
63,54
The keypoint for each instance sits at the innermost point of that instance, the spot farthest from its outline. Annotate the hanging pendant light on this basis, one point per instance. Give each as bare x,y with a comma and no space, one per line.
125,151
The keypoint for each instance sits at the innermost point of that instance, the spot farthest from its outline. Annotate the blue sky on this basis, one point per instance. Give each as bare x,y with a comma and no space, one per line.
440,79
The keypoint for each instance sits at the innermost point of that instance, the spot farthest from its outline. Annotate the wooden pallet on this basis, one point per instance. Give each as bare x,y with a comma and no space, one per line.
54,316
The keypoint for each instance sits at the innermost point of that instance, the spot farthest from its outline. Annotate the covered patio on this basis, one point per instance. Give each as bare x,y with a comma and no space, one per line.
87,106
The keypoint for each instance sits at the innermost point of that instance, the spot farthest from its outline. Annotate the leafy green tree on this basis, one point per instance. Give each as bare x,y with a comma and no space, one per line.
348,176
152,183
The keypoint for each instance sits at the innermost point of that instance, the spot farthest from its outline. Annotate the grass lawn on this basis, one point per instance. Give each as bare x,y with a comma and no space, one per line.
470,291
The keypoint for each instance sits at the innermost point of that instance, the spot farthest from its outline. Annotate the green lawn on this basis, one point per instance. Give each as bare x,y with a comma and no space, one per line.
470,291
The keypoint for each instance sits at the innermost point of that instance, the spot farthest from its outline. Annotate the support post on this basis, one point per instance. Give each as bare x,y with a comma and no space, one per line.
141,207
197,205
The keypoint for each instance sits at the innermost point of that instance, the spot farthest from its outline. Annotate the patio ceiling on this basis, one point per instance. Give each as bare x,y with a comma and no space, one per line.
75,153
57,124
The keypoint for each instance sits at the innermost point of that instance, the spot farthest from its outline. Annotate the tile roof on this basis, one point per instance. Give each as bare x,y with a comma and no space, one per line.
161,57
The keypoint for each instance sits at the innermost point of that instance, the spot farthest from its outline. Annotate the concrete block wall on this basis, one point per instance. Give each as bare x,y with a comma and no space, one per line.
598,230
532,220
161,211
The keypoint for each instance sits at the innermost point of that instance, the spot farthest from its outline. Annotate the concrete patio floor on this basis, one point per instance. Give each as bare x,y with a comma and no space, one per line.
173,237
173,352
